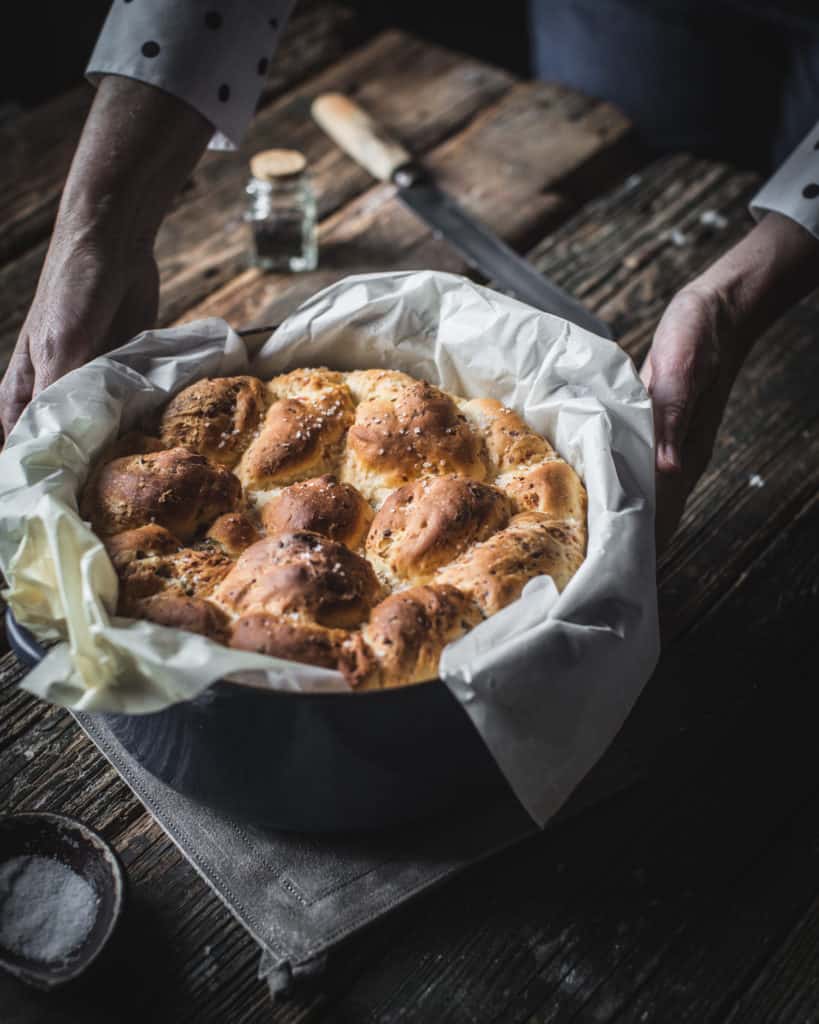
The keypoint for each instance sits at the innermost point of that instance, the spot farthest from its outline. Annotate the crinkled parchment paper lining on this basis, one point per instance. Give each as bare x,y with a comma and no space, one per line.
547,682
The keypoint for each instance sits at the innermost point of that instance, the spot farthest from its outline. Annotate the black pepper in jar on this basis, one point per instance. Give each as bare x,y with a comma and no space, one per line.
282,212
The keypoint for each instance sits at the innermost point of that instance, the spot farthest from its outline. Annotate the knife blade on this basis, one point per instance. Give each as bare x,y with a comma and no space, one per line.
365,141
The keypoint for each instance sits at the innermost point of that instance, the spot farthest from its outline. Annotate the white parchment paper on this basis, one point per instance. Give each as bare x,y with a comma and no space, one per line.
547,682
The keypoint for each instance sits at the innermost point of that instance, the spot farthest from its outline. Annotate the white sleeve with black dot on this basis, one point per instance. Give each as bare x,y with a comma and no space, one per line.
793,190
213,54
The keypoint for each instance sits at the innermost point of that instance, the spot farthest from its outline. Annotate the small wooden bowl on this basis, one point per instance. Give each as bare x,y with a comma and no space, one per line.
81,849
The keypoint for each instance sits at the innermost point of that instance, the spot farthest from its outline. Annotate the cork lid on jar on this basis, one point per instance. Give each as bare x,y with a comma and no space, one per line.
275,164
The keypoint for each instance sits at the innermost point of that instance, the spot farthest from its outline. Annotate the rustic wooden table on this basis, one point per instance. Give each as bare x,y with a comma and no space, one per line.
693,894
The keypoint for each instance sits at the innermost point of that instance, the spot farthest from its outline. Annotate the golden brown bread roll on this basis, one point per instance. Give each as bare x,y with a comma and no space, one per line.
321,505
407,432
145,570
366,384
301,437
312,384
139,544
233,532
177,489
301,573
409,629
510,443
306,642
494,573
191,613
552,488
424,525
216,417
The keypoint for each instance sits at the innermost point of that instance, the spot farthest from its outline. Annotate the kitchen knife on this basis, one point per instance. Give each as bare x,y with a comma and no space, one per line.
365,141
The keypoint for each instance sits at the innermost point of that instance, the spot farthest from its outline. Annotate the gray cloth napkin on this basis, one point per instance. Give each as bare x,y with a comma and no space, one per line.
301,895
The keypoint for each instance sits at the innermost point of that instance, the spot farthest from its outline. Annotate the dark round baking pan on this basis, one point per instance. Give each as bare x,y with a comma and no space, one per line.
317,762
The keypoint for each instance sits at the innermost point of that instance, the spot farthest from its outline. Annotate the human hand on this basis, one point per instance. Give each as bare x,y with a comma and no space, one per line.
688,372
99,283
89,299
701,342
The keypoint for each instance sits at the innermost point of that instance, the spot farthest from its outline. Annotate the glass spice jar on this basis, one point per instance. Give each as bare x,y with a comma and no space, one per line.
281,211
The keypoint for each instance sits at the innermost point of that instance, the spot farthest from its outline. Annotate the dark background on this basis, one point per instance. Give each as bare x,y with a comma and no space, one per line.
51,42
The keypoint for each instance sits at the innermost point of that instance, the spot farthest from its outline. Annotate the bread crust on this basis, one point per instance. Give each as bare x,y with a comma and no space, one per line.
175,488
322,505
216,417
411,431
493,573
301,573
426,524
381,518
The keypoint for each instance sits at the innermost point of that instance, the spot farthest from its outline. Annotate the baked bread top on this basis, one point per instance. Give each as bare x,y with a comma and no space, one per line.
358,521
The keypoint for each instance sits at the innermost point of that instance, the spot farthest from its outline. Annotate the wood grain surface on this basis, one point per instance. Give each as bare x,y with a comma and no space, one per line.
693,895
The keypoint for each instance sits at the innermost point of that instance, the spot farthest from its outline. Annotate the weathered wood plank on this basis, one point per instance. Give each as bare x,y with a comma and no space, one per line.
503,167
40,145
419,92
626,253
787,989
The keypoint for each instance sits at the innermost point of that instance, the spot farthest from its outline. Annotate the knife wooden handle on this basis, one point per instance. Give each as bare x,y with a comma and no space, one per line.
359,135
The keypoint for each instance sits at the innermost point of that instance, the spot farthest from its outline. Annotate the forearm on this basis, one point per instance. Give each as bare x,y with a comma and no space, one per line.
138,147
774,266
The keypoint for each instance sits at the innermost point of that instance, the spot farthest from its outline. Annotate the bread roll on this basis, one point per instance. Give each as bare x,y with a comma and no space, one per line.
321,505
301,573
407,431
426,524
493,573
302,436
408,631
233,532
216,417
177,489
299,640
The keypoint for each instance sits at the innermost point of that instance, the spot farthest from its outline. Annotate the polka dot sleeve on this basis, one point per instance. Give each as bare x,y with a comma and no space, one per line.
213,54
794,189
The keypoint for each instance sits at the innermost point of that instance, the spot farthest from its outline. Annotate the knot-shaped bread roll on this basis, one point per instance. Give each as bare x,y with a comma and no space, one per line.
424,525
217,417
301,573
161,580
493,573
409,629
411,431
510,443
554,489
321,505
303,430
178,489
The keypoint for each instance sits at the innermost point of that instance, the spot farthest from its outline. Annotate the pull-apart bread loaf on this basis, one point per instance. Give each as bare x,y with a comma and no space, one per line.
353,521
